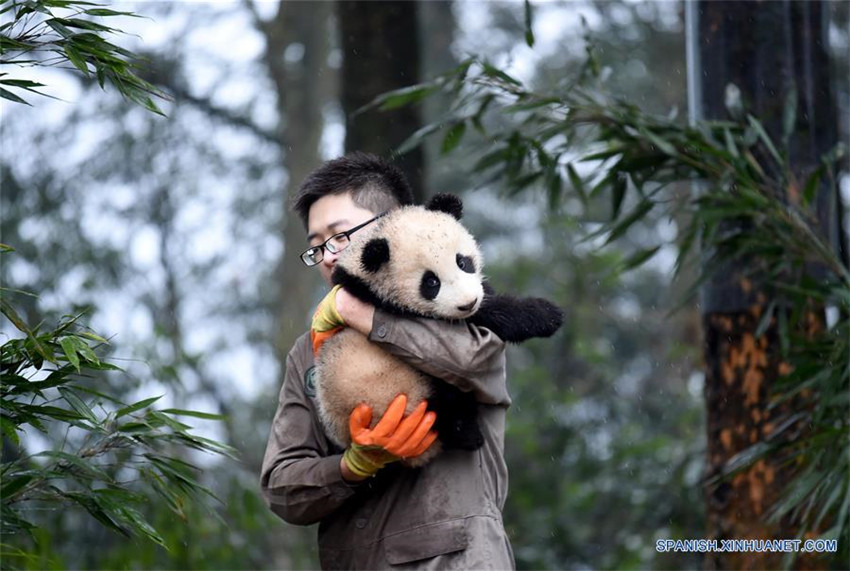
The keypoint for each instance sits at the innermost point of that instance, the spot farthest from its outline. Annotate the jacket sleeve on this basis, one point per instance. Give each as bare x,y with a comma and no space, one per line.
470,357
301,480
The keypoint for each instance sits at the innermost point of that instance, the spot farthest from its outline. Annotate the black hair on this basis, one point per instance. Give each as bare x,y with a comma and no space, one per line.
375,184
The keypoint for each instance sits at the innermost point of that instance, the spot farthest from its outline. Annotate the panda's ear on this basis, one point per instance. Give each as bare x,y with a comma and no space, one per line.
376,253
448,203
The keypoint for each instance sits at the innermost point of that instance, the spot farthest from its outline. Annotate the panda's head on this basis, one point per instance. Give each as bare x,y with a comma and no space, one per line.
418,260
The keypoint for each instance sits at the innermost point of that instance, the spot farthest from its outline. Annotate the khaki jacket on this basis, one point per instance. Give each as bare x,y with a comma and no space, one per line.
446,515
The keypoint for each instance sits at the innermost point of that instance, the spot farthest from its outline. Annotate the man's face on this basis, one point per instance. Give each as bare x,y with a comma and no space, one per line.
331,215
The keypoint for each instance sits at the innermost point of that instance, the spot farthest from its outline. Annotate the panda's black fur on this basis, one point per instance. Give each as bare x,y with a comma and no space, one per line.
359,270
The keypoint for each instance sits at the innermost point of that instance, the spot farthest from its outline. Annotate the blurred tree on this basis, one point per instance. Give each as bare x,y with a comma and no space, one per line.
297,47
438,30
298,43
380,52
740,69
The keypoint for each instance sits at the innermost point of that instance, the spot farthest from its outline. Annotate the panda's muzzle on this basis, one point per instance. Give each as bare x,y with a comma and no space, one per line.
468,306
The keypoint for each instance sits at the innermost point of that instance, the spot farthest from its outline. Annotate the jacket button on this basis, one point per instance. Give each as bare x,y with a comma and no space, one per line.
382,331
360,523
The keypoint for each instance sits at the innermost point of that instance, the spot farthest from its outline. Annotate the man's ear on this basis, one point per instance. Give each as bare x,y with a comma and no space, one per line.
376,253
448,203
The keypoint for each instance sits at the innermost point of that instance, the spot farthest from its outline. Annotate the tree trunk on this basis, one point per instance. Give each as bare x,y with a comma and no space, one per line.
303,84
437,24
380,46
767,50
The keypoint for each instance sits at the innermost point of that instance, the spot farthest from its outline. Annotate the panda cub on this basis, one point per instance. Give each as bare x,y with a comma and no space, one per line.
417,261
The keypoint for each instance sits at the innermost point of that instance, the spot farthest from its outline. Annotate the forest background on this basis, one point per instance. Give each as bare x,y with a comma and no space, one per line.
172,234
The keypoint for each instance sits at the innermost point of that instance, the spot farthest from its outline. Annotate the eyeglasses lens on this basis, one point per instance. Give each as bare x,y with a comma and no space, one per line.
337,243
312,256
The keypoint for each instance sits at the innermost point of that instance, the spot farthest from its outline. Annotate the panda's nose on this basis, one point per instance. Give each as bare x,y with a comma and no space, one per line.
468,306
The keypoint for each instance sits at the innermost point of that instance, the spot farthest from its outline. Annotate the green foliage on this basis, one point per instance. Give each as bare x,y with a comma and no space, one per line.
603,154
34,34
603,459
239,535
114,458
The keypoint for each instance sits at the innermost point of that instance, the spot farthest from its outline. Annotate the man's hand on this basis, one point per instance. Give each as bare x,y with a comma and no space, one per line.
357,314
326,321
393,438
327,316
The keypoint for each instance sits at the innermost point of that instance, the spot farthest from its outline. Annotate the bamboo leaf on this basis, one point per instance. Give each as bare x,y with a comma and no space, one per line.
194,413
453,137
6,94
618,193
812,185
83,349
664,146
136,406
76,58
638,213
107,12
577,183
94,337
70,350
9,430
554,189
134,427
638,258
13,316
83,468
531,105
765,138
77,404
529,32
492,71
91,505
138,522
400,97
59,28
84,25
730,143
765,320
14,484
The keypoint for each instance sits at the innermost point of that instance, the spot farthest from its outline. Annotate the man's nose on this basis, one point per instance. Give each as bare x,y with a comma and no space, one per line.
329,258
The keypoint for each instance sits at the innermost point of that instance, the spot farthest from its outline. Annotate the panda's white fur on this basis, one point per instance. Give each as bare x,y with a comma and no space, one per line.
422,240
352,370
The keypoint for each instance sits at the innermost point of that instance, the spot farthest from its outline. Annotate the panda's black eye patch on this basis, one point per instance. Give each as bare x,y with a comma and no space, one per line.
465,263
429,287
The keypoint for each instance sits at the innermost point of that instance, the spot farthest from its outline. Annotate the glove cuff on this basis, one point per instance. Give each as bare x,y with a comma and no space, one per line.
366,461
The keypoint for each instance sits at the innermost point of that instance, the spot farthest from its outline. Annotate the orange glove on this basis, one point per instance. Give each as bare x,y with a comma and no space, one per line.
393,438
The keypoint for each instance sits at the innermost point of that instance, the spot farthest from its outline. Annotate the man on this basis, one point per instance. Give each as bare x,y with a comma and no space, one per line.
373,512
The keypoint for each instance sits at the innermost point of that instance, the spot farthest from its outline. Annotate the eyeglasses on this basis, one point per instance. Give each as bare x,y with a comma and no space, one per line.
335,244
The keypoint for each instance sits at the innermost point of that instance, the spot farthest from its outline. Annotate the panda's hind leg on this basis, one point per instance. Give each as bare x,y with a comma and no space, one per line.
457,417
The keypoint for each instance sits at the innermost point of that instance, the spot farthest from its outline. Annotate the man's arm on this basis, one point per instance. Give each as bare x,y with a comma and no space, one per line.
301,476
471,358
